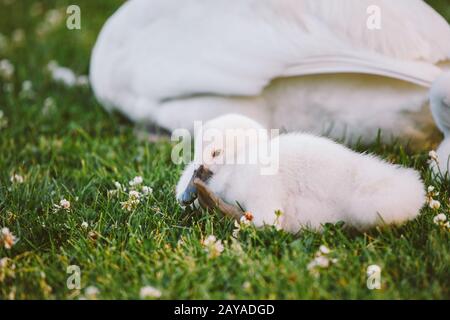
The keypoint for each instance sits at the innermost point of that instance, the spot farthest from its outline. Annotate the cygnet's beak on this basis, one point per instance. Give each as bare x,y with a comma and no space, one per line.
190,194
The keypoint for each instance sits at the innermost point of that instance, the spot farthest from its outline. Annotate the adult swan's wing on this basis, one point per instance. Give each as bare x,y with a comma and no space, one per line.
154,51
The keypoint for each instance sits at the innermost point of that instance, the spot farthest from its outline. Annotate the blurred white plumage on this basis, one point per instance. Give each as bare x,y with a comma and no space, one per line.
296,64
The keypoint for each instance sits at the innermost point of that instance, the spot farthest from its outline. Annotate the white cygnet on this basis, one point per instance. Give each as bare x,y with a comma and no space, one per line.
309,180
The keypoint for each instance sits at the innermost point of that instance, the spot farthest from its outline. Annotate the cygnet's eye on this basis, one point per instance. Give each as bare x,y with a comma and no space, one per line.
216,153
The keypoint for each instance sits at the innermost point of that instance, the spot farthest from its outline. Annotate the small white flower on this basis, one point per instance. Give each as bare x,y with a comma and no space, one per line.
136,181
3,262
133,195
117,185
27,89
324,250
321,261
130,204
146,190
64,204
434,204
6,69
149,292
430,189
91,292
213,246
433,156
211,239
17,178
27,85
440,218
85,225
7,239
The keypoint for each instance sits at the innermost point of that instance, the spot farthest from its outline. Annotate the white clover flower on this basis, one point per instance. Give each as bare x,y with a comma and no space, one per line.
211,239
149,292
6,69
130,205
27,85
146,190
3,262
117,185
136,181
85,225
434,204
440,218
433,156
321,261
7,239
213,246
324,250
133,194
91,292
27,89
64,204
17,178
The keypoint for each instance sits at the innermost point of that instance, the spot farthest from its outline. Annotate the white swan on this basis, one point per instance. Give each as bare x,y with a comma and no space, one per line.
316,180
312,65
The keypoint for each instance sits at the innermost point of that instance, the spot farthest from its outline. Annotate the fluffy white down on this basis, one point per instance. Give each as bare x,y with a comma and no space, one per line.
320,181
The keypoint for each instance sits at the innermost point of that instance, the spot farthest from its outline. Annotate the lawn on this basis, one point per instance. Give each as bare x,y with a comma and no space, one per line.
65,146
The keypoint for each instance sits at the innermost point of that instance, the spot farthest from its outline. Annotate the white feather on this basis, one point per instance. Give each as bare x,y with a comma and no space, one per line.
174,62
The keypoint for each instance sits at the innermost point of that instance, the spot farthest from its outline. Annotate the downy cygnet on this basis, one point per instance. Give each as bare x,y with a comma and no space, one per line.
315,181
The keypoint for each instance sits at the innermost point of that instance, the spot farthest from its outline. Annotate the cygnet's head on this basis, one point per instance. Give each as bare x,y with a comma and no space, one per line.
220,142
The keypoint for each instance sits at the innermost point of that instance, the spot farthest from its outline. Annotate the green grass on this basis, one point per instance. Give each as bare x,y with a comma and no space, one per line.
76,151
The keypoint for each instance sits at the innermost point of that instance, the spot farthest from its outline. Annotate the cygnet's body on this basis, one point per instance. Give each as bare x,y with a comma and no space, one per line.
318,181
